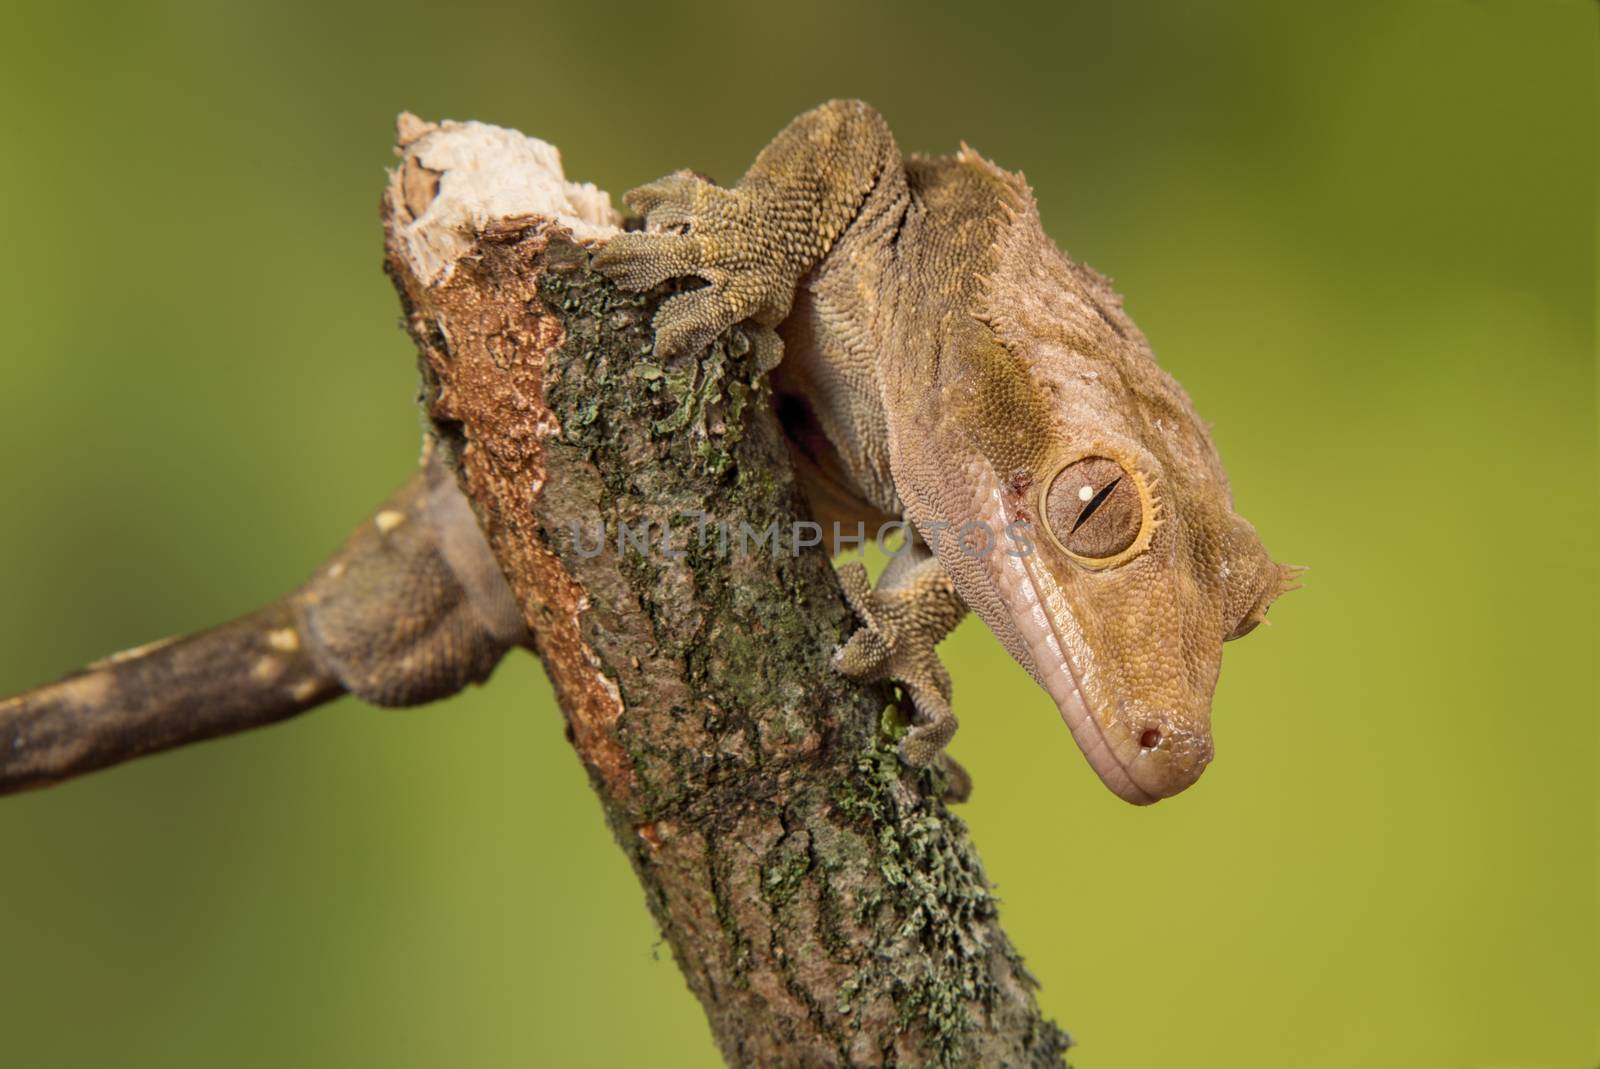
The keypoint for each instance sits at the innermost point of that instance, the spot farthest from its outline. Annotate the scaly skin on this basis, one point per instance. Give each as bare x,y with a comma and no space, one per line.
411,608
943,361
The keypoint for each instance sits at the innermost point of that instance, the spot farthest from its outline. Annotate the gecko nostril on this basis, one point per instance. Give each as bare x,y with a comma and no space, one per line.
1150,739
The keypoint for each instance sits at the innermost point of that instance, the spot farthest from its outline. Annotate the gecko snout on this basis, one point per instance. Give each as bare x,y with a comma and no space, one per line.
1169,756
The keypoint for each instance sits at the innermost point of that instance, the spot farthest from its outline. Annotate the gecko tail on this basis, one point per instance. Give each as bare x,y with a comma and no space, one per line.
245,673
411,608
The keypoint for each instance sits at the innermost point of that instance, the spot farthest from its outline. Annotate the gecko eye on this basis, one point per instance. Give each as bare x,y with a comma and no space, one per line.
1094,509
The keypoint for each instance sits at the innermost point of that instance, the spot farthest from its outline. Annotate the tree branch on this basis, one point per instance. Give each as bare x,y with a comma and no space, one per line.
823,904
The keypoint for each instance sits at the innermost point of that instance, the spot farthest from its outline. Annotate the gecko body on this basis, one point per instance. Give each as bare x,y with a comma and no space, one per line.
937,358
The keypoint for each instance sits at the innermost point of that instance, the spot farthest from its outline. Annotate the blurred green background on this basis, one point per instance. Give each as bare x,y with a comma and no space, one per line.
1362,235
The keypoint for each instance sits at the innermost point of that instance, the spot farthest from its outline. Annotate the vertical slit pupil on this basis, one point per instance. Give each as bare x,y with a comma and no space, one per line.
1094,504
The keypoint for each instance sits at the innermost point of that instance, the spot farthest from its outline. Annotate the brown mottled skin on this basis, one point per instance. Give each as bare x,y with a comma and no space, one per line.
937,358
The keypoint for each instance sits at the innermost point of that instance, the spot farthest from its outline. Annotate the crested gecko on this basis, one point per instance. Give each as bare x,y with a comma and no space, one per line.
937,358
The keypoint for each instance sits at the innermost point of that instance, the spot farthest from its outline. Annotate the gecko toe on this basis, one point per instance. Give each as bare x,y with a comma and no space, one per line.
669,201
863,657
688,322
642,261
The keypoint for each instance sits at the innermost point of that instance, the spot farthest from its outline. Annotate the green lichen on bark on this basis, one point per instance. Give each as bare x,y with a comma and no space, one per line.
852,920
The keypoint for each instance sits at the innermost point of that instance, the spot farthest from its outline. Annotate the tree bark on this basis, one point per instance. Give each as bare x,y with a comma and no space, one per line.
822,902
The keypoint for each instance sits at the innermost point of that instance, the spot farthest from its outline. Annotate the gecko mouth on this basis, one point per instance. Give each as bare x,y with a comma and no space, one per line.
1038,624
1140,761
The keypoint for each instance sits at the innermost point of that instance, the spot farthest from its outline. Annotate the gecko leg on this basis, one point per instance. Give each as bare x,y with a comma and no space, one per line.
752,243
914,606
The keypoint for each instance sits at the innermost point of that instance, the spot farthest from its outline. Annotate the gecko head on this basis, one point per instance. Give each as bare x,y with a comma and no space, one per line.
1142,571
1137,569
1130,568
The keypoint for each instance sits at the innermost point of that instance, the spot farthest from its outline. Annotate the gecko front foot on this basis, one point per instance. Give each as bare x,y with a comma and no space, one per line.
914,606
696,229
